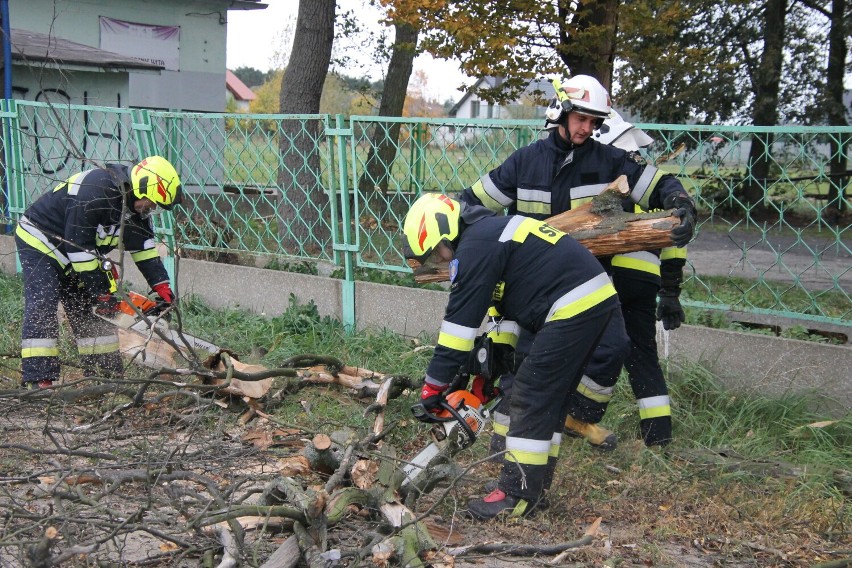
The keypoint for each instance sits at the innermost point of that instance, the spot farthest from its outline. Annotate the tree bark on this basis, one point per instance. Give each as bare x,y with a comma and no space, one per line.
836,111
385,138
304,199
594,25
767,81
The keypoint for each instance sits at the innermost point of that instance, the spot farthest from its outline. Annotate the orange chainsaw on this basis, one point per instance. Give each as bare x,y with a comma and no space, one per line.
140,314
463,417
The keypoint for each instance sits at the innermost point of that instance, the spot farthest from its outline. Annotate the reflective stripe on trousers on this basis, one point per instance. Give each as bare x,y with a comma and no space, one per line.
538,404
46,285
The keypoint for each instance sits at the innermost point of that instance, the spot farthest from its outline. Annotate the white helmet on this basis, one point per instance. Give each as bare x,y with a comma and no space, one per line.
617,132
582,94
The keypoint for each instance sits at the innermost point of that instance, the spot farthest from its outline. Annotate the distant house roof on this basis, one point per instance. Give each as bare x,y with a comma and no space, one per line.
38,48
238,88
245,5
541,88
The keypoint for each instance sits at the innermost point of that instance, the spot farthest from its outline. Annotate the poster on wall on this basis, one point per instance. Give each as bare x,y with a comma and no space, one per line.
159,45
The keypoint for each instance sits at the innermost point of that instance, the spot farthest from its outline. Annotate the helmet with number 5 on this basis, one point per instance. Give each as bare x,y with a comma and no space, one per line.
582,94
433,218
155,178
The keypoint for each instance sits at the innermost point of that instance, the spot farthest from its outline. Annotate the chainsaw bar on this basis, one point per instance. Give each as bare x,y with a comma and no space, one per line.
180,339
126,317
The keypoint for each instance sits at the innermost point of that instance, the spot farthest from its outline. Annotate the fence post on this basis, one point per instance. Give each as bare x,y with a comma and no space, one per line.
15,196
164,223
15,188
347,247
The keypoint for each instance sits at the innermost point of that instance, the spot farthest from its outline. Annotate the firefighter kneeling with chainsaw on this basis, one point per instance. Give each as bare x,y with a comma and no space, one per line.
543,280
62,240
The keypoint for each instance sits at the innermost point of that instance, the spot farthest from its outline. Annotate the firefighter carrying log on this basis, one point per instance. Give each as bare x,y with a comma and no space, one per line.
540,278
561,172
62,239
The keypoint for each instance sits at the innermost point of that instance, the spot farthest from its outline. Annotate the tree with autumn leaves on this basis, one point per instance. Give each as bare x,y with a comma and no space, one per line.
759,62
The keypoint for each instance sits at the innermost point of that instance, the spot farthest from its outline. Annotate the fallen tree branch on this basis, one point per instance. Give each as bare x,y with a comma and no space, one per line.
519,549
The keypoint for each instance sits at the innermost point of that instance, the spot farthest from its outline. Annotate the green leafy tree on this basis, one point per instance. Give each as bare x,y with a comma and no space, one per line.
268,95
518,40
251,77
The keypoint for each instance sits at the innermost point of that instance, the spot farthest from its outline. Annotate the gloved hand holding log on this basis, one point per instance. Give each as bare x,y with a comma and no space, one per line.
601,225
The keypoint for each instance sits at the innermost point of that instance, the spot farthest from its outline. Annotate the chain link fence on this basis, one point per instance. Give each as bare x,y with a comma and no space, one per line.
294,191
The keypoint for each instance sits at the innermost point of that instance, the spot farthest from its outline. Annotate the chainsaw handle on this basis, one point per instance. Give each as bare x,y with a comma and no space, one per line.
420,413
157,309
424,415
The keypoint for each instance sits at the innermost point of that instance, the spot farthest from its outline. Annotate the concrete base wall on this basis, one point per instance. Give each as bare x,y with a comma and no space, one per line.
742,361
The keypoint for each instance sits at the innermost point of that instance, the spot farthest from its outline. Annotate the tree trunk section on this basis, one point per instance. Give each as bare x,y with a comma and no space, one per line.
385,139
589,48
837,51
766,87
304,199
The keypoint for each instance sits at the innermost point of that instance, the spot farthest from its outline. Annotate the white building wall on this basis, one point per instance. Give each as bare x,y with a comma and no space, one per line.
69,86
197,86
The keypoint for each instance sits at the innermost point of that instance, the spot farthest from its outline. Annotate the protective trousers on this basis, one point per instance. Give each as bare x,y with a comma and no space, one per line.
596,384
46,284
639,304
638,297
539,401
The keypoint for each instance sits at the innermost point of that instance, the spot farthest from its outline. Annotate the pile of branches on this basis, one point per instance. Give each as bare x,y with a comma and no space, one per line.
158,471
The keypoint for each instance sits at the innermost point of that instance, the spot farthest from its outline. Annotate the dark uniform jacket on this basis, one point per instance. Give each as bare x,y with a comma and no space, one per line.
551,176
519,265
80,221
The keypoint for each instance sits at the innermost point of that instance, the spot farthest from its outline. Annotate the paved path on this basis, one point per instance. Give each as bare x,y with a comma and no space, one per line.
818,262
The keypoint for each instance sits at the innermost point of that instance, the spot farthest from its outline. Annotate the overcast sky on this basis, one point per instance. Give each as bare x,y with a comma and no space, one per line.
255,36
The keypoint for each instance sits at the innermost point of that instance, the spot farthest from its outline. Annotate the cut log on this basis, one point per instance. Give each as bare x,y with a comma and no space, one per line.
323,454
601,225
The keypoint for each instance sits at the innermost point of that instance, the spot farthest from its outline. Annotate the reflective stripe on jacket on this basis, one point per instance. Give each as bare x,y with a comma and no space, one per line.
80,220
546,276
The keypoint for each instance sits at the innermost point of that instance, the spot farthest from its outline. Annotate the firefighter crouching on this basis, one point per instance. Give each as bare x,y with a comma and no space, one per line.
533,275
62,239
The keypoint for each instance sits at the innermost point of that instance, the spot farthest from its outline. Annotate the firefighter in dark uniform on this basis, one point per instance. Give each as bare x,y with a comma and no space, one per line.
639,278
536,276
560,172
62,239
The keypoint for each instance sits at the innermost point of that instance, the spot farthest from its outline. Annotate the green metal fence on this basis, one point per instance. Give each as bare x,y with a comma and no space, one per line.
774,223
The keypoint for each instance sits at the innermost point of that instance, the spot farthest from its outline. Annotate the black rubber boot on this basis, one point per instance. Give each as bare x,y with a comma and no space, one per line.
499,503
490,486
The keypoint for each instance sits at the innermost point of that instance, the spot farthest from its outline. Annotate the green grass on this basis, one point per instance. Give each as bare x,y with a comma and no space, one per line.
747,462
11,314
744,293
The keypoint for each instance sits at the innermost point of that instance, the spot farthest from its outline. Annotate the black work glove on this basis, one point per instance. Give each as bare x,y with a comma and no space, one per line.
106,305
684,208
669,310
431,397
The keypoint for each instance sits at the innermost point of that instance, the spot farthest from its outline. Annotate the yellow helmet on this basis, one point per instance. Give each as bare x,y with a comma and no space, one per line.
433,217
155,178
